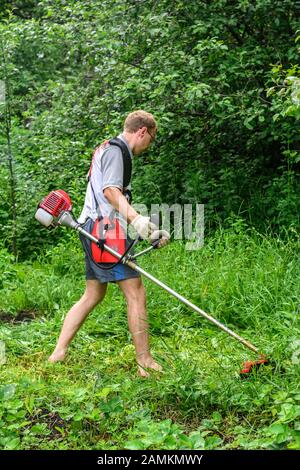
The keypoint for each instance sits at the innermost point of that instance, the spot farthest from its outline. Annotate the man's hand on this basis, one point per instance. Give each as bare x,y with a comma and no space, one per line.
163,241
144,227
149,231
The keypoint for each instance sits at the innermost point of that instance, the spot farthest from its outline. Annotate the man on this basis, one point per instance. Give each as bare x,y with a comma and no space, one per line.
105,192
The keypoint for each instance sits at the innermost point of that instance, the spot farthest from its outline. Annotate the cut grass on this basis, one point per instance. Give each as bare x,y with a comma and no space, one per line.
95,400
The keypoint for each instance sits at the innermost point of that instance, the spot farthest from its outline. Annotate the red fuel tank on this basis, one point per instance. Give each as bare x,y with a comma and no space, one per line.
114,237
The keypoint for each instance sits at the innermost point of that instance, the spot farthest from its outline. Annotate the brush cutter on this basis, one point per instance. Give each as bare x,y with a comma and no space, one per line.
56,209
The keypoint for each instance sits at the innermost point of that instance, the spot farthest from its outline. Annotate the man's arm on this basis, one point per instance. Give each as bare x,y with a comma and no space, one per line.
120,203
112,170
144,227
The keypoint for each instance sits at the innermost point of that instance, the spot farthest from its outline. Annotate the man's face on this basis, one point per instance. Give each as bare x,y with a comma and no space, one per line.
144,140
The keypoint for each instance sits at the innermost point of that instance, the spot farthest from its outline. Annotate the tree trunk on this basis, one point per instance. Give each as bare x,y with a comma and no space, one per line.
10,161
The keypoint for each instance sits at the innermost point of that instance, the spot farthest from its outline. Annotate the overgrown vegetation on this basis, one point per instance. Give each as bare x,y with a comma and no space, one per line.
223,80
215,74
96,400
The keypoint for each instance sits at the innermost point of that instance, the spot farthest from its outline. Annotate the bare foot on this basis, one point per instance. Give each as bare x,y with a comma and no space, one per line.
58,355
149,364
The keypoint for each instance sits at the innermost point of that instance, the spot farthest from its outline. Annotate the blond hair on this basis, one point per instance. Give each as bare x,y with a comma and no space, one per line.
138,119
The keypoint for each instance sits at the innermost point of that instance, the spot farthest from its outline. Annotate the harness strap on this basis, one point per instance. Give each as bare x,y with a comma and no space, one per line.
127,164
127,167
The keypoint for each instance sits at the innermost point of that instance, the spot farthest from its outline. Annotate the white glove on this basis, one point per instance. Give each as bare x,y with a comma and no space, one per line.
165,237
160,234
144,227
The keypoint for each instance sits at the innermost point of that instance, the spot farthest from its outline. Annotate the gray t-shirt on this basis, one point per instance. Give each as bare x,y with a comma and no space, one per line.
107,171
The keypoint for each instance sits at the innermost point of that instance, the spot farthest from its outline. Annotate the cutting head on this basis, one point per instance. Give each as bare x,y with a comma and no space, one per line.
250,366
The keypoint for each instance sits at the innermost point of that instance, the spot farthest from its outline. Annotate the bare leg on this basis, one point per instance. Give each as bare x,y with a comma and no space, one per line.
94,293
135,295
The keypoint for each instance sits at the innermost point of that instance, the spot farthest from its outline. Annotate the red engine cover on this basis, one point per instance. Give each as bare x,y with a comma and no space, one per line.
56,202
114,238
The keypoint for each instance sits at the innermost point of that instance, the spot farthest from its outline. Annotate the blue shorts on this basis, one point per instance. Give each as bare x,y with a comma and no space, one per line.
120,272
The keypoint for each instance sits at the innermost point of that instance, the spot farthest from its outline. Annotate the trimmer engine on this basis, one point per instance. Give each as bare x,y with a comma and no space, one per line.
53,207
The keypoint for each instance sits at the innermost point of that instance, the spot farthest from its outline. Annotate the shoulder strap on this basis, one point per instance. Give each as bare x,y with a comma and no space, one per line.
127,167
89,179
127,164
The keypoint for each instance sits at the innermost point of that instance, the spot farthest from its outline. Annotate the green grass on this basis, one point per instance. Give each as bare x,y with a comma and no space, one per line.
95,400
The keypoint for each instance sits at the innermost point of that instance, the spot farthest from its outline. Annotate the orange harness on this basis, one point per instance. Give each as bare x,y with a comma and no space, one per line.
105,228
113,235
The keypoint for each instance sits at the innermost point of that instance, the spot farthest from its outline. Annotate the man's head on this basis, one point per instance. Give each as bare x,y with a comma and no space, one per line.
140,130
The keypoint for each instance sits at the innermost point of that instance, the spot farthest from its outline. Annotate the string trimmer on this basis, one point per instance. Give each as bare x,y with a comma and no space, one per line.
56,209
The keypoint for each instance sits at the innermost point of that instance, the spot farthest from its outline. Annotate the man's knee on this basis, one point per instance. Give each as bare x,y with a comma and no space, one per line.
137,295
94,293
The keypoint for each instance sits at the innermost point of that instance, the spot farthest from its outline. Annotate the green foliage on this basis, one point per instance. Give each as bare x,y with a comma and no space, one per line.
221,77
94,400
166,435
